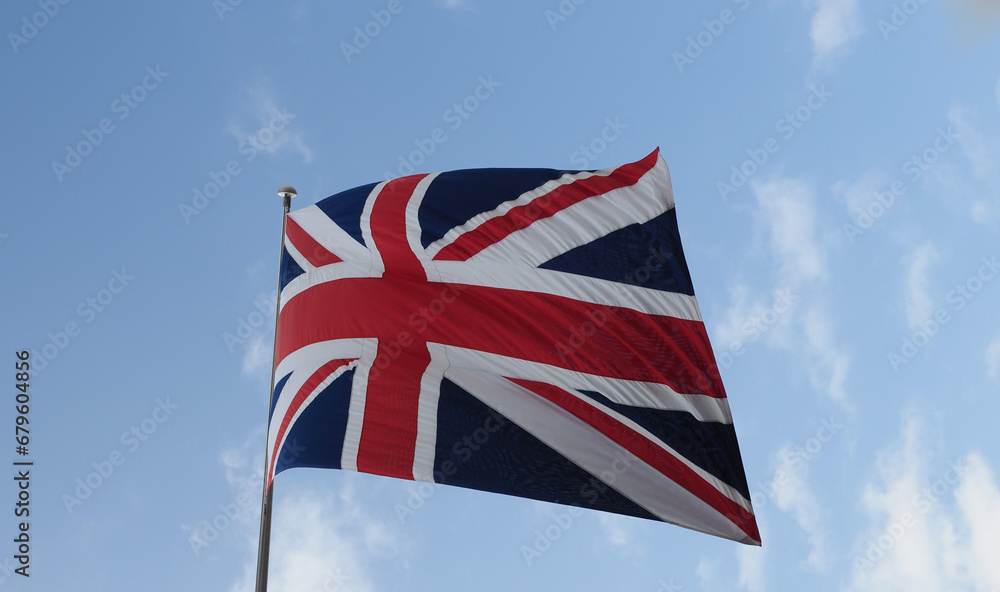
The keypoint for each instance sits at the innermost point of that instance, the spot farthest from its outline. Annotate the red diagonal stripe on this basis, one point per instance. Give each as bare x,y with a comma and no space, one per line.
649,452
316,254
388,227
496,229
310,385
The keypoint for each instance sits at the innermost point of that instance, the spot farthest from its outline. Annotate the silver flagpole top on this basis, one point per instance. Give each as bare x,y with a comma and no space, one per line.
286,193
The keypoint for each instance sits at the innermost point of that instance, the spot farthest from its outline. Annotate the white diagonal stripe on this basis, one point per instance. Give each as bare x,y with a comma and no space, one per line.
413,230
569,285
501,210
328,234
597,454
582,222
575,225
294,253
303,363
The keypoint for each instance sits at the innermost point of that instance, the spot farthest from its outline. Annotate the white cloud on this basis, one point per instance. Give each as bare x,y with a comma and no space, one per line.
254,334
320,539
993,359
973,180
980,211
787,207
751,317
456,5
918,301
898,551
708,571
313,547
834,25
272,131
794,496
244,466
244,473
752,560
257,357
614,530
983,153
787,216
919,540
859,195
974,145
978,502
740,307
620,536
829,366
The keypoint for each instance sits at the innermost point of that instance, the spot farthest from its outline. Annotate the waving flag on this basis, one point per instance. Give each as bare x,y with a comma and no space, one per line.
530,332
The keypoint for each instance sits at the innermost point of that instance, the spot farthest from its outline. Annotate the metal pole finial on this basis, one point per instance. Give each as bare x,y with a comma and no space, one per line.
287,193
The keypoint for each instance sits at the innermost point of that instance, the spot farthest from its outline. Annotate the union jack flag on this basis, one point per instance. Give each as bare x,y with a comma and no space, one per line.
530,332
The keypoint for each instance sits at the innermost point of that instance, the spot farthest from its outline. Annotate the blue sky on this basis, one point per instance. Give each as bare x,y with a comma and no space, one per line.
836,169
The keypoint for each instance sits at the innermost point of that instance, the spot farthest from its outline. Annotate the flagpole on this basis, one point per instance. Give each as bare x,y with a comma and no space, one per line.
286,193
